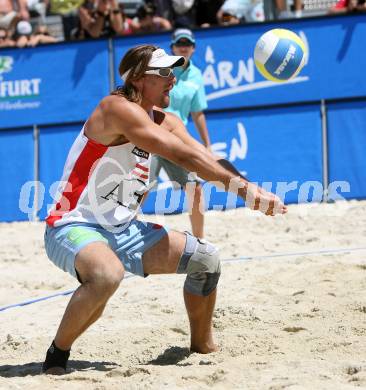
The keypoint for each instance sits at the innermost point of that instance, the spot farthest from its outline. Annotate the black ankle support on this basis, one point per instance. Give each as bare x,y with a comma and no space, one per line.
55,357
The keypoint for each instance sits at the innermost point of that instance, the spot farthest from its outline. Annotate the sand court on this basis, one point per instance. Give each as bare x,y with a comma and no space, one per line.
291,317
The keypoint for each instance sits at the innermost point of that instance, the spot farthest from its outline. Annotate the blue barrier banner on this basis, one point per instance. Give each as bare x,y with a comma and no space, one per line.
16,175
225,56
55,143
347,145
335,46
280,149
52,83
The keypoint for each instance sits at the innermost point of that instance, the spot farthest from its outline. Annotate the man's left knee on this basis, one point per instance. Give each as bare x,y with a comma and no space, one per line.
201,262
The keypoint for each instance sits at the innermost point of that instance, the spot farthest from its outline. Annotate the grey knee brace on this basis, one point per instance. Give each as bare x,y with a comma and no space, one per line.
200,261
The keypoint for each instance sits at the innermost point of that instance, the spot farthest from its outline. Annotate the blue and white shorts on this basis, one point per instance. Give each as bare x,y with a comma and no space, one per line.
65,242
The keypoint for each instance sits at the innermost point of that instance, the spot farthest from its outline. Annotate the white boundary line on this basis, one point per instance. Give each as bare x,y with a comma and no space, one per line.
234,260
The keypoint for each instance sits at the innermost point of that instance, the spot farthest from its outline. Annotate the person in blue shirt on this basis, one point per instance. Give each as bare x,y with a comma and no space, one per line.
186,98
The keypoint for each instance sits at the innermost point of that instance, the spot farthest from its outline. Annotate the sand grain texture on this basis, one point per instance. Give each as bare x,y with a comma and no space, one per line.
294,322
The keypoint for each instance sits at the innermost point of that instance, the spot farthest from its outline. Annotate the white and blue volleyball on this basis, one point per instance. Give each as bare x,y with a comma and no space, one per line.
279,55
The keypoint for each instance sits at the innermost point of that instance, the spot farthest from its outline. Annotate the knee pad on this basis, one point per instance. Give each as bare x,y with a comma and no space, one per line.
200,261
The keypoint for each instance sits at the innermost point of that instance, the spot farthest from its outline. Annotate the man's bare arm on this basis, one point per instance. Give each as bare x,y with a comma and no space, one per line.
138,128
178,128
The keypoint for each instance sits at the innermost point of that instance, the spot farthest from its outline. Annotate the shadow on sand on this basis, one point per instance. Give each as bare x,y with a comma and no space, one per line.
170,356
21,370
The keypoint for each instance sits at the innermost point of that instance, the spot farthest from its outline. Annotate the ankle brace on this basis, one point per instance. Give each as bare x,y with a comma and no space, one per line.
55,357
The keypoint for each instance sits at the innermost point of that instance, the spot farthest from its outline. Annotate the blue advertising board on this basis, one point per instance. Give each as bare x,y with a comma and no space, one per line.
55,143
63,82
53,83
225,56
280,149
334,45
347,145
16,174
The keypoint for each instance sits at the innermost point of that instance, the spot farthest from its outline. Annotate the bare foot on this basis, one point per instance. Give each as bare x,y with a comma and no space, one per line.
55,371
205,348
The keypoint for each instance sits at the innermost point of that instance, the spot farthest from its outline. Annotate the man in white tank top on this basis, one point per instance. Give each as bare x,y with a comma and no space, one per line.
92,232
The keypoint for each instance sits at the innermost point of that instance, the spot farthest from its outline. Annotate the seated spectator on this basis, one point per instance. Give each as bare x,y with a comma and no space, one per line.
147,21
128,26
240,11
228,19
101,18
42,35
23,34
5,40
344,6
255,12
163,8
206,12
11,11
184,13
38,8
68,10
282,11
232,12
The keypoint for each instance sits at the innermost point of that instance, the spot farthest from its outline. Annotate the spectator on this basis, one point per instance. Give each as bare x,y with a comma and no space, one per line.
184,14
206,12
282,11
344,6
163,8
128,26
101,18
5,40
227,19
11,11
38,8
68,9
25,37
23,34
42,35
147,20
240,11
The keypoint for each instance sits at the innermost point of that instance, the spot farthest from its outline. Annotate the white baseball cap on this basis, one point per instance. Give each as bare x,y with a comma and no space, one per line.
160,59
24,28
183,33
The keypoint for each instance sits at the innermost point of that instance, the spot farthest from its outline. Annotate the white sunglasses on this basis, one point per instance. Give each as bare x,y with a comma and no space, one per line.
162,72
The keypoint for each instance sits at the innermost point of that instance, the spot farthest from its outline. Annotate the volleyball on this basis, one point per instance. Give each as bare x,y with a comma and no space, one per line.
279,55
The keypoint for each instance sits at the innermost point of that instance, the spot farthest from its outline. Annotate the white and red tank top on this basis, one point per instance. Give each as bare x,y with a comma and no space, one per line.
101,184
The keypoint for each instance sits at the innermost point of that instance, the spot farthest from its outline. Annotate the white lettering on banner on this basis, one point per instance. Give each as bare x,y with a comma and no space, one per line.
224,77
238,148
209,55
12,92
19,88
224,69
227,77
245,73
210,78
19,105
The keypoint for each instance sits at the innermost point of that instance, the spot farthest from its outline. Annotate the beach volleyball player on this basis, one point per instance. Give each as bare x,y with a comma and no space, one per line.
92,232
